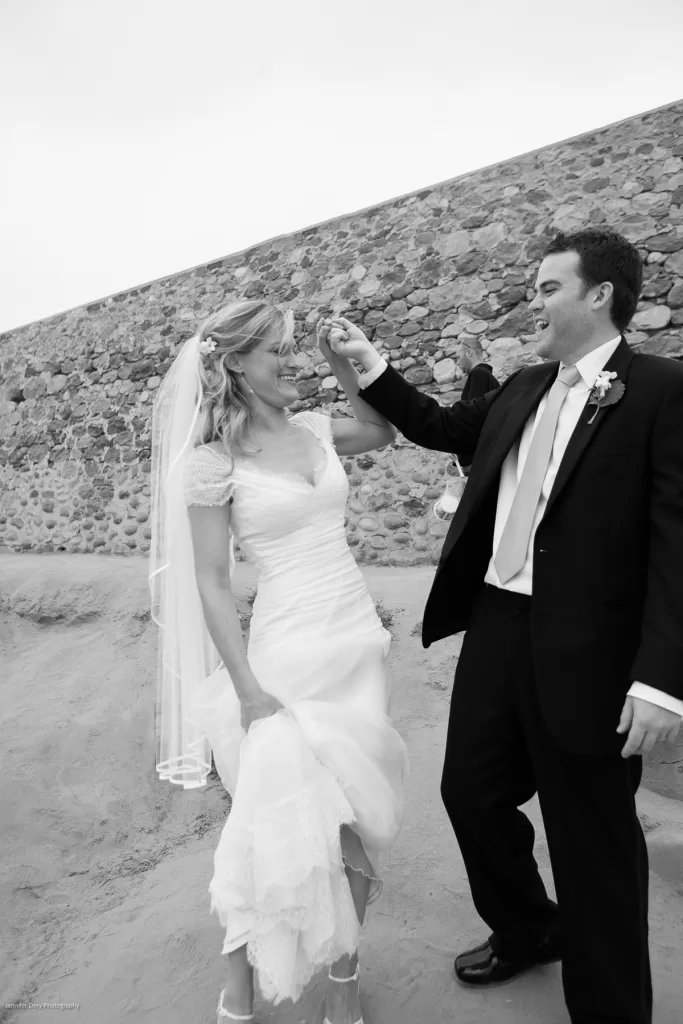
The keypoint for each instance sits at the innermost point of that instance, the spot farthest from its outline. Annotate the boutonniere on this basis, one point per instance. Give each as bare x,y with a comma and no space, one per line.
607,390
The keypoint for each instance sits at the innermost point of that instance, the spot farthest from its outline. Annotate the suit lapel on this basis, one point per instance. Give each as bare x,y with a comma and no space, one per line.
585,431
521,408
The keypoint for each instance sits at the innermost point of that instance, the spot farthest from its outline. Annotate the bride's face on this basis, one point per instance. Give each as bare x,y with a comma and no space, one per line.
270,369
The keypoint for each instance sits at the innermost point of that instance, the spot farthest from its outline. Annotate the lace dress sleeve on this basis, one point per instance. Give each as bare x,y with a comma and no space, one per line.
317,422
208,478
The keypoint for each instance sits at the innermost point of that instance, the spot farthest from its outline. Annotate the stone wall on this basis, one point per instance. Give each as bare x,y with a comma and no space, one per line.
419,273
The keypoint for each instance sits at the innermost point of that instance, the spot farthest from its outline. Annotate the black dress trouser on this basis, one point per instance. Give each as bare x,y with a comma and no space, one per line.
498,754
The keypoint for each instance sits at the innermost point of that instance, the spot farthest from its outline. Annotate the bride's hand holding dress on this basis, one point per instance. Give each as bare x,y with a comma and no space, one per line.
210,526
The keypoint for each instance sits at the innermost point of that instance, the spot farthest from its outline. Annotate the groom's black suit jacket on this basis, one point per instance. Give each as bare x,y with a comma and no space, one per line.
607,601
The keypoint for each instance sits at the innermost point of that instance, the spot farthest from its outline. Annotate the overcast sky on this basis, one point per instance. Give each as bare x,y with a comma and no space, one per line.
143,137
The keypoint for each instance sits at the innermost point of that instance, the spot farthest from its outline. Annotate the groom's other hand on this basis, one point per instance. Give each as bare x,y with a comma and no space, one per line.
646,724
348,341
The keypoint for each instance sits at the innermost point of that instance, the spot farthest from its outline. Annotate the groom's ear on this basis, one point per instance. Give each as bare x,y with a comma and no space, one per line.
603,295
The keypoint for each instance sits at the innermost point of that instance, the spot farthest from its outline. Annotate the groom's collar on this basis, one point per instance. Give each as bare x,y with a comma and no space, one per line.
590,365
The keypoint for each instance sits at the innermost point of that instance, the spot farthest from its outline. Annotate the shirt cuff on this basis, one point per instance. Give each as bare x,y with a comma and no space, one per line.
370,376
663,700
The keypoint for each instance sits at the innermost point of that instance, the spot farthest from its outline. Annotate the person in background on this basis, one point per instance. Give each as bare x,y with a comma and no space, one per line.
479,375
480,379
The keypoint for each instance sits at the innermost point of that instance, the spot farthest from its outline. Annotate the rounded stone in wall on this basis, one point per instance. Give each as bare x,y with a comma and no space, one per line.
488,237
662,345
453,243
418,375
444,371
654,318
476,327
308,388
401,537
393,521
664,243
674,264
368,524
369,286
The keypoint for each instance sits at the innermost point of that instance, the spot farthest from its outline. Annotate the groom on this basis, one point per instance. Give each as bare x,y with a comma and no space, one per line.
564,563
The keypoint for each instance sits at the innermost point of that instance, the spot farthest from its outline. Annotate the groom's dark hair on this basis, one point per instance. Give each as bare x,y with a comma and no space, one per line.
606,255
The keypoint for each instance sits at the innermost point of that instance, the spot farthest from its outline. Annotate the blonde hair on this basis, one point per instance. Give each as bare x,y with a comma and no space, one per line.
236,330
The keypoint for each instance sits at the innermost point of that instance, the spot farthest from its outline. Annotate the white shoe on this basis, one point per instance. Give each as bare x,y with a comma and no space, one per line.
343,981
226,1015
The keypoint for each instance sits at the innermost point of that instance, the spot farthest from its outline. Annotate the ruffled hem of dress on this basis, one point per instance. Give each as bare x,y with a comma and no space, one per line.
279,874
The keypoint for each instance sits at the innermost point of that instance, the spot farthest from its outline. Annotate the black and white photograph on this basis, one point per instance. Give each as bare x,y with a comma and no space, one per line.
341,512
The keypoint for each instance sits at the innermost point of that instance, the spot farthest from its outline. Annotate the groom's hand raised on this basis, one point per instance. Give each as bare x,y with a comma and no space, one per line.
348,342
646,724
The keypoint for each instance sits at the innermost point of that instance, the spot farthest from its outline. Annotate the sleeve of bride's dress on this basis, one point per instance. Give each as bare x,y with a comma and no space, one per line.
208,478
318,422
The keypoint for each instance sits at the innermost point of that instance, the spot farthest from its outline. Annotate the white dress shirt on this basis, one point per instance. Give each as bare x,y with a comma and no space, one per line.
589,367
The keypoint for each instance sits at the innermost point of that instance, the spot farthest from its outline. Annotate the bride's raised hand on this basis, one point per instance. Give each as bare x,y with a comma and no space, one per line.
322,330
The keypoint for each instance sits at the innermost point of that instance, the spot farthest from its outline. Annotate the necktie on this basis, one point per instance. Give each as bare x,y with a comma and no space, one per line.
514,542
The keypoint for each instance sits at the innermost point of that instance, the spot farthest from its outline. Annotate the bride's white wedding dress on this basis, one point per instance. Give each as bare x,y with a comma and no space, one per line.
332,758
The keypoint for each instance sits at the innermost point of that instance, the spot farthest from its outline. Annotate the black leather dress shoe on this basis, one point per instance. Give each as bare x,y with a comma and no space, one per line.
487,965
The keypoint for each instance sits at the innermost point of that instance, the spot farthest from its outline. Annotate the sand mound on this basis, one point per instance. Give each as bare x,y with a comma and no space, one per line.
104,871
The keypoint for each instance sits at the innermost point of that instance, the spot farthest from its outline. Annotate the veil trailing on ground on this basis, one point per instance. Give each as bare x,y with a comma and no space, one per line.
187,654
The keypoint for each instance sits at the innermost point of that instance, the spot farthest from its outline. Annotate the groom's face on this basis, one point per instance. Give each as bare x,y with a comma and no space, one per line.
563,306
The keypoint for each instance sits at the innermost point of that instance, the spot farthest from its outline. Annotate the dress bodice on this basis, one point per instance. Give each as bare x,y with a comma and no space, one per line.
277,518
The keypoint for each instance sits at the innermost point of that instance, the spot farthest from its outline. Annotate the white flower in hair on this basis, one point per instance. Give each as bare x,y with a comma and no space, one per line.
207,347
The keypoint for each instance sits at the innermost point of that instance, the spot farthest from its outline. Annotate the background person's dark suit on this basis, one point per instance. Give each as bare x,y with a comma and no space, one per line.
541,680
478,382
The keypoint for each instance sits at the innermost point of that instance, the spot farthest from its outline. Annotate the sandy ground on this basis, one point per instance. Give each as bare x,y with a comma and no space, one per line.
104,871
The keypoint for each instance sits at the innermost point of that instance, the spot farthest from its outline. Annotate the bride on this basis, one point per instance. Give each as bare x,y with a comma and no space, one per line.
297,724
